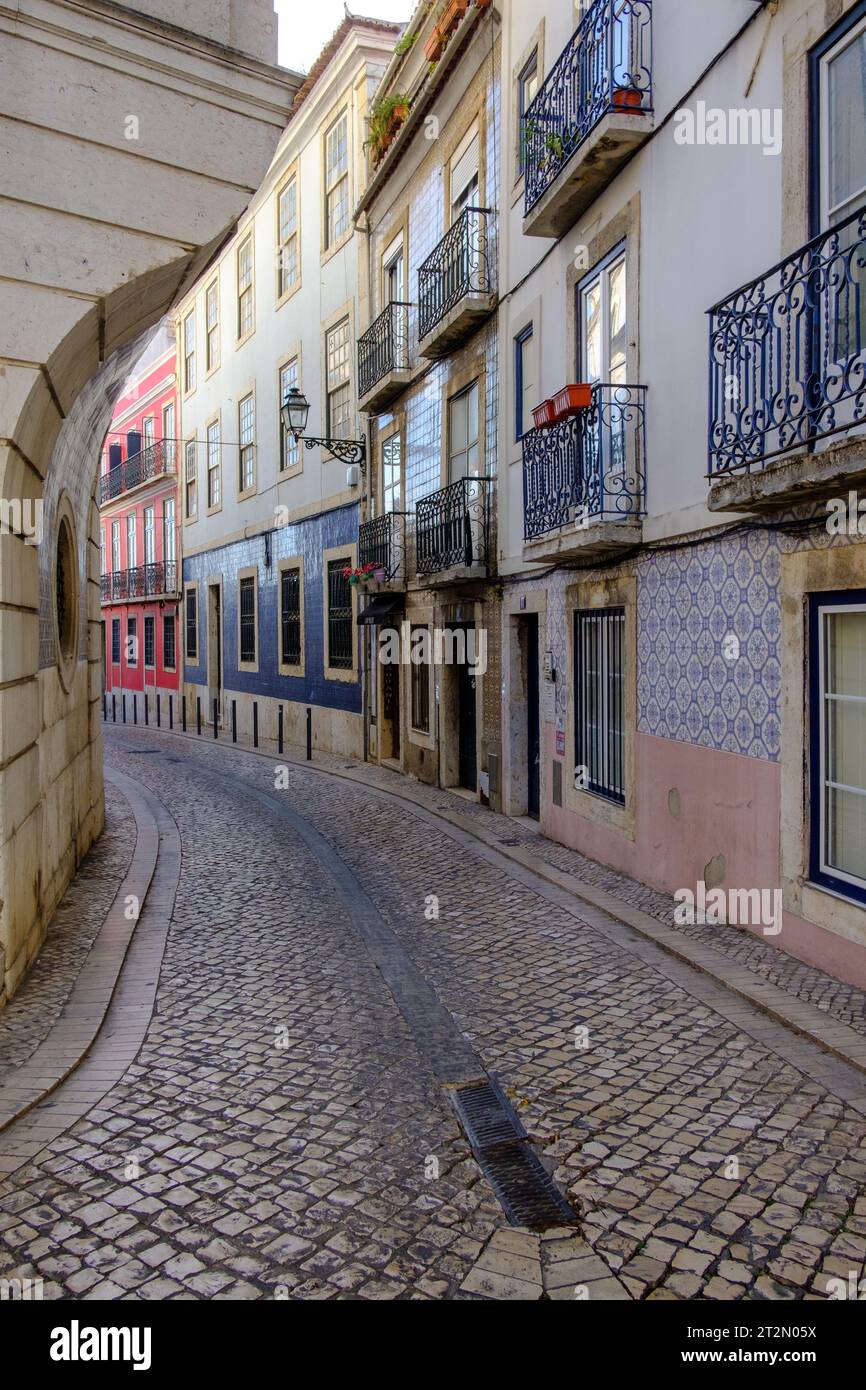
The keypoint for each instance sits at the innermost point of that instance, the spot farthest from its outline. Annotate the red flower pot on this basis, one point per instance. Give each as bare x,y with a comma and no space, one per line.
434,46
543,415
571,399
627,98
451,15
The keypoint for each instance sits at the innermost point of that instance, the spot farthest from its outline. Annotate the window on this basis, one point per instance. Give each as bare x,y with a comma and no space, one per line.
337,354
247,618
599,728
169,647
115,641
149,642
103,552
212,325
339,615
191,481
290,617
464,175
132,642
842,115
245,286
149,537
189,352
213,464
463,434
524,381
287,237
290,450
149,426
602,322
838,742
192,625
168,434
391,474
168,534
394,273
420,689
527,86
246,443
115,546
337,180
131,543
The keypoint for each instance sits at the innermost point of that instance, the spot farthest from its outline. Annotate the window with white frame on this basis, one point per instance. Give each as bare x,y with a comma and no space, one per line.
463,434
290,449
245,286
287,233
189,351
168,433
392,474
525,379
212,325
527,86
838,741
842,117
338,395
214,490
246,442
337,180
115,546
131,543
169,548
190,479
148,431
149,536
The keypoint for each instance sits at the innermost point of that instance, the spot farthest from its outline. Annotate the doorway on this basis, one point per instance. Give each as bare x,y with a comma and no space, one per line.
390,747
467,765
214,651
533,730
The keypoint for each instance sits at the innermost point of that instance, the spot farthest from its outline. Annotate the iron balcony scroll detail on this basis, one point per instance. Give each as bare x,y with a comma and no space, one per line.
151,462
384,347
381,542
457,267
605,67
590,467
788,352
452,526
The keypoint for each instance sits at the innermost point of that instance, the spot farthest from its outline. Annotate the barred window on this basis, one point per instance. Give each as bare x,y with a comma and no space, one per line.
599,677
149,640
337,353
248,618
290,617
339,615
337,180
212,325
115,641
287,216
191,479
420,693
213,464
246,438
189,352
290,451
191,625
245,286
169,642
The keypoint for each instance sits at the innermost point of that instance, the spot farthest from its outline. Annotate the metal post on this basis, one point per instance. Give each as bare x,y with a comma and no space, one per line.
183,710
280,728
113,709
123,704
146,717
198,714
234,721
158,712
104,707
309,734
170,710
216,719
135,707
255,724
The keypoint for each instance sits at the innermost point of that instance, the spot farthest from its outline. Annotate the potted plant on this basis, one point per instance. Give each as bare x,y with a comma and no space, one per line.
434,46
628,98
543,415
449,15
571,400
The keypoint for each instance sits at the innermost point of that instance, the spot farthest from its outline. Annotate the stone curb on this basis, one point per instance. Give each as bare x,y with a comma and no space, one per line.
809,1022
73,1034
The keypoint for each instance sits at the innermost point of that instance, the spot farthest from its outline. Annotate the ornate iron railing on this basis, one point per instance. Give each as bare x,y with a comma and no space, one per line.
384,347
788,352
590,467
143,581
382,541
605,66
457,267
452,526
152,462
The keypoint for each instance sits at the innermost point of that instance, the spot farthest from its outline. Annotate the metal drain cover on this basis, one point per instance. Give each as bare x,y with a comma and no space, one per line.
526,1191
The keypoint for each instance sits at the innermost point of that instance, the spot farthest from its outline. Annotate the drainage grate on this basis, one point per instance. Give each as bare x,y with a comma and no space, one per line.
525,1189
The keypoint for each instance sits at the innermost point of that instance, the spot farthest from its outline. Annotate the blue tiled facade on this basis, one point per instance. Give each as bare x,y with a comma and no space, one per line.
308,538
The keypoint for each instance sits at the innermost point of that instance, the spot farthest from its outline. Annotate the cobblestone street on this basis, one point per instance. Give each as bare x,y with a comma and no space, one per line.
270,1117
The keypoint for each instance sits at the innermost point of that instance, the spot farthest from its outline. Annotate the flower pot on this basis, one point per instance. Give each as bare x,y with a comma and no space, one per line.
434,46
543,415
451,14
481,4
397,117
627,98
571,400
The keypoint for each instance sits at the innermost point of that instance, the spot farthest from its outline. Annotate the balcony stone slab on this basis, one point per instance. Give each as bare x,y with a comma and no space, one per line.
456,326
803,475
598,539
384,391
591,168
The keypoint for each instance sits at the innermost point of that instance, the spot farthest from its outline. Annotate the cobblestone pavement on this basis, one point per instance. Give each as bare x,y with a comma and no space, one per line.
281,1130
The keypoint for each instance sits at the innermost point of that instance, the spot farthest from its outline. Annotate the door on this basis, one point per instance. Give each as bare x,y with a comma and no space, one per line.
533,730
214,651
466,724
391,710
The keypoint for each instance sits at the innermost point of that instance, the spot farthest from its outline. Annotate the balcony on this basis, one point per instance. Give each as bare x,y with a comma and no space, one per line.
383,359
593,110
382,542
584,479
452,532
455,286
153,462
142,582
788,377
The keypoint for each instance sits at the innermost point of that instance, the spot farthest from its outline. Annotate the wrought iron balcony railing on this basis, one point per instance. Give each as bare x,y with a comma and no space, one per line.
152,462
788,353
384,347
143,581
382,541
606,66
588,468
459,266
452,526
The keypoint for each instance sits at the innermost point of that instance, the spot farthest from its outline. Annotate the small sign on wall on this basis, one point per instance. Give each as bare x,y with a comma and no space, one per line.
560,743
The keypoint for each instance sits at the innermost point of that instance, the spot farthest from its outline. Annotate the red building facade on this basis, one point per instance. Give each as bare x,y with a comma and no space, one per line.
139,534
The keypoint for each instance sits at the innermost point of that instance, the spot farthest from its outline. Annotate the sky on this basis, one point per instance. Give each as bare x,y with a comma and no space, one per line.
306,25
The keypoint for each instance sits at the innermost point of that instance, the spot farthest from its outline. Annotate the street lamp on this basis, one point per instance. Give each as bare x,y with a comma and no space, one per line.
294,412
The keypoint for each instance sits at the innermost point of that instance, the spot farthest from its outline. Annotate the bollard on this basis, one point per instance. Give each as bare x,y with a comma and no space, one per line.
309,734
104,707
123,703
146,719
198,714
170,710
135,706
183,711
216,720
113,709
255,724
234,721
280,728
158,715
